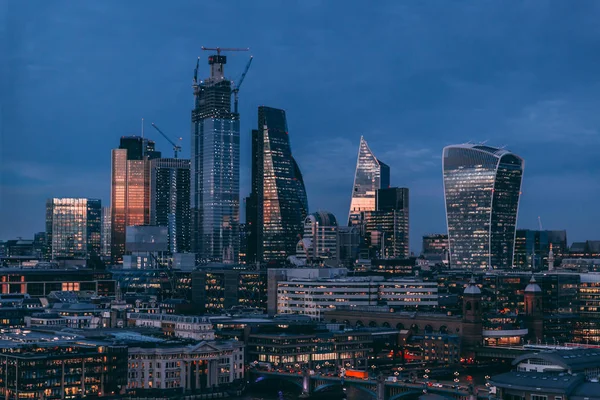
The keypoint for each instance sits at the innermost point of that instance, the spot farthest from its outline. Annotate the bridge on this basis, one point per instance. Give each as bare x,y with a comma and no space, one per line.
374,388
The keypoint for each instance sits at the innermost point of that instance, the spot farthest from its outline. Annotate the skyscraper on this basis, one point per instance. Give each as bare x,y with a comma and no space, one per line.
106,230
319,241
215,168
388,224
130,189
278,203
371,174
482,186
73,227
170,200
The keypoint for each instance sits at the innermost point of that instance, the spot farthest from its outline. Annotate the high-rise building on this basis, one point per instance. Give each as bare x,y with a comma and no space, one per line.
348,245
482,186
435,243
215,168
73,227
319,241
130,189
371,175
170,200
278,202
531,249
106,230
387,226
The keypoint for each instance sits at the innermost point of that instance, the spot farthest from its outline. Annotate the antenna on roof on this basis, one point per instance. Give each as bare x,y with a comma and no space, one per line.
142,128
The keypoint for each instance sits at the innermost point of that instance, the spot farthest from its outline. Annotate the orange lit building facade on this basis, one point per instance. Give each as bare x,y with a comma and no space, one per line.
130,189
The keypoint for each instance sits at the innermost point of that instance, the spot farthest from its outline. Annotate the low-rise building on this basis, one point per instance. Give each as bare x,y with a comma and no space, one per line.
314,296
187,368
181,326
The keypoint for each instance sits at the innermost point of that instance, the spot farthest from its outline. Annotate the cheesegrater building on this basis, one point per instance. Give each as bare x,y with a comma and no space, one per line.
482,186
215,168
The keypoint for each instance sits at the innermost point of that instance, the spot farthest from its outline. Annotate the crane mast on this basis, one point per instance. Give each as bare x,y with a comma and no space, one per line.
236,89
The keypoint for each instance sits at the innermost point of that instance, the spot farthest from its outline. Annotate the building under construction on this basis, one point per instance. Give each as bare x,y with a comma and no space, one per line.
215,164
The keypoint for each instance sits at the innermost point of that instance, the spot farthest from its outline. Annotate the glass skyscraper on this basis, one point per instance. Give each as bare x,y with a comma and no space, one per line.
371,175
106,230
73,227
388,225
215,168
482,186
130,189
278,204
170,200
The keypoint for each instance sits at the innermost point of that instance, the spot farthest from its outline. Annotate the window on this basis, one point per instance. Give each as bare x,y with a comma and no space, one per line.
539,397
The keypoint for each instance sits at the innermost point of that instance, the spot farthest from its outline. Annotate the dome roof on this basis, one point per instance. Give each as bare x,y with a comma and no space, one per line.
533,287
472,288
324,218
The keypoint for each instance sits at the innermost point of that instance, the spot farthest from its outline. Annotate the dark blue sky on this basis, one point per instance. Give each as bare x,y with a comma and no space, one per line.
411,77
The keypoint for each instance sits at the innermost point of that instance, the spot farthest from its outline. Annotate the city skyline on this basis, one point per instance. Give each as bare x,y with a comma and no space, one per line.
542,111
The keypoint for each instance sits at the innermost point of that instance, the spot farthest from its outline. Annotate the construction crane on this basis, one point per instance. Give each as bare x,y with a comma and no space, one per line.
195,81
540,223
236,88
220,49
176,148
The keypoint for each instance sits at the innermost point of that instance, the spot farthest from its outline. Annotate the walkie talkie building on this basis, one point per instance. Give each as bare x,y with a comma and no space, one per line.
482,186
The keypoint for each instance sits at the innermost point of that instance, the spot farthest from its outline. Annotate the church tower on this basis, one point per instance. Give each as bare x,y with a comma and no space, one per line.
534,315
472,316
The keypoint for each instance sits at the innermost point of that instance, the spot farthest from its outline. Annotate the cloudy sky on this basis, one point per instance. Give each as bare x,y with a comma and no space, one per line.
411,76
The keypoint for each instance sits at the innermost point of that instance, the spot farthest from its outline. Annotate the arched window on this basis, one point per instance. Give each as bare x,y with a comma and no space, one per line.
400,326
428,329
359,324
386,324
414,328
468,306
443,329
373,324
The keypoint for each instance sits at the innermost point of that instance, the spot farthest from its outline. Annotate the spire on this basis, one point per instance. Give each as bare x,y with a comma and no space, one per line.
551,259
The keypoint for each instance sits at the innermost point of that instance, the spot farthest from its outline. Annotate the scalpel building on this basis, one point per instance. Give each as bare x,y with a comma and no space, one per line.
482,186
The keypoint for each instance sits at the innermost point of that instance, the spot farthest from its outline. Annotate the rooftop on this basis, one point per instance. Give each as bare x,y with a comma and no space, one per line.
552,383
575,360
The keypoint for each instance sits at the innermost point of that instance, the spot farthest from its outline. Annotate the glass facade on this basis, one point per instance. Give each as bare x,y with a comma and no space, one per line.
215,169
281,202
130,189
371,174
482,188
388,226
73,227
170,200
106,229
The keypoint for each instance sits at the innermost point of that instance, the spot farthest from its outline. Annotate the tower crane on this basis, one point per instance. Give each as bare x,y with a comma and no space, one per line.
195,81
176,148
540,224
236,88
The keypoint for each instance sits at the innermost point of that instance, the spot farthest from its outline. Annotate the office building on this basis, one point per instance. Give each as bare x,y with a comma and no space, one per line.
48,367
170,200
348,245
106,230
218,290
319,241
435,243
130,189
144,247
73,227
531,249
215,168
371,175
482,186
278,199
387,226
313,296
